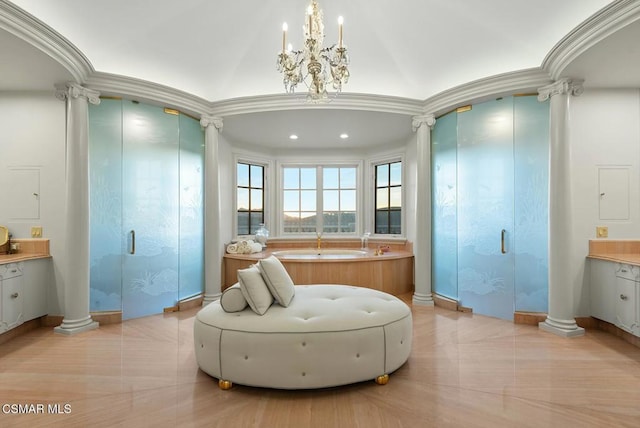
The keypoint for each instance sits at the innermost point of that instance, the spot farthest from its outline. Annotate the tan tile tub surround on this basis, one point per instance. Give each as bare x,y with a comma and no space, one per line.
391,272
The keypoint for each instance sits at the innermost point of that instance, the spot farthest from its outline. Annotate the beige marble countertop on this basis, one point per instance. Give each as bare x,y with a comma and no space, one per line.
632,259
19,257
30,249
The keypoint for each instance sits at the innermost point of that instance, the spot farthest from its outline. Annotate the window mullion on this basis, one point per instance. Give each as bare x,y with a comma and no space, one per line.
389,200
319,200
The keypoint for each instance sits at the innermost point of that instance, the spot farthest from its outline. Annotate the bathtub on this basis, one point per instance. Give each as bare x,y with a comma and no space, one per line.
391,272
323,253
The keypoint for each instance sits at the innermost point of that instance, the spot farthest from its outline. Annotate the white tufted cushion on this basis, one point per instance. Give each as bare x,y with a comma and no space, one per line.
329,335
278,280
254,289
232,299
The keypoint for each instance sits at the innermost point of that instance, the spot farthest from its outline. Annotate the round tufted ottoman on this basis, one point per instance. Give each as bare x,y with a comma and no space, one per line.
329,335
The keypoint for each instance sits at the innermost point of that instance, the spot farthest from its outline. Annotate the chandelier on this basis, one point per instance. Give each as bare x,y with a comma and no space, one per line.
314,65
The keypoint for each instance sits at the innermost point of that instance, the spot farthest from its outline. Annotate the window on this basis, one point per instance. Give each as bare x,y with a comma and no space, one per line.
250,197
388,198
339,200
319,198
299,200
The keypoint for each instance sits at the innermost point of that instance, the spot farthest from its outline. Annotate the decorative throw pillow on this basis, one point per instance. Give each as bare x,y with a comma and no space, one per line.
278,280
232,299
254,289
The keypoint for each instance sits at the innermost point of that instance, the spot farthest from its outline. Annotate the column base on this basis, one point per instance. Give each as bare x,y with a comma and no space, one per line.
564,328
208,298
422,299
70,327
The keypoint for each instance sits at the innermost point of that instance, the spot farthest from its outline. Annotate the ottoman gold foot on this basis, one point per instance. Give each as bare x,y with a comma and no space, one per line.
225,384
382,380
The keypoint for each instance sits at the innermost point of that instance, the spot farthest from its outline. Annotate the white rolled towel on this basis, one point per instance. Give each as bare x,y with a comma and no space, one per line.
256,247
232,248
244,248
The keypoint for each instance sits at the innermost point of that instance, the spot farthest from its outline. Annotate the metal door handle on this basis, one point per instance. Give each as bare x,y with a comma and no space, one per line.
502,249
14,295
133,242
623,297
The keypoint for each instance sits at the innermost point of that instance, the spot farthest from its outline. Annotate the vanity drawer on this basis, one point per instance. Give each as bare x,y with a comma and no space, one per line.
10,270
629,272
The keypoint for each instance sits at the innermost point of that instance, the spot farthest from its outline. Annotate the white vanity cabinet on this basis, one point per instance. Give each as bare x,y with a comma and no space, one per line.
23,291
37,274
12,295
603,303
615,294
627,283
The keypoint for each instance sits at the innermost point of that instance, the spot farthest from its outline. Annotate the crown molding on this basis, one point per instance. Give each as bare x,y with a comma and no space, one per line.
343,101
523,81
38,34
150,92
142,90
599,26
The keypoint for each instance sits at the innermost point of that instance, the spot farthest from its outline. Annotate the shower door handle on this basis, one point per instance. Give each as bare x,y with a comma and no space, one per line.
133,242
502,249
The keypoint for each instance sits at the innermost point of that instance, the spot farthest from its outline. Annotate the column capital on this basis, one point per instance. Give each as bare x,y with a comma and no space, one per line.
418,121
70,90
206,121
560,87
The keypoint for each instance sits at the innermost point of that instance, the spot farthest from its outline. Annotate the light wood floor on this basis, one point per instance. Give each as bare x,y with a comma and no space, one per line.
464,370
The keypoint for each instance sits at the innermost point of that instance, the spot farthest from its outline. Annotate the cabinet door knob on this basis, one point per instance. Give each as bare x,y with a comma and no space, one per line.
624,270
623,297
14,295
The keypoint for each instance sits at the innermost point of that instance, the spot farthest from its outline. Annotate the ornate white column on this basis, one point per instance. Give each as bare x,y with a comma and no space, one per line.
76,285
213,251
560,319
422,243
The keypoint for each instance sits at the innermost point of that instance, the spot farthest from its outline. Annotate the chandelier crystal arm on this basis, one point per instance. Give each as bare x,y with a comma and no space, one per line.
315,65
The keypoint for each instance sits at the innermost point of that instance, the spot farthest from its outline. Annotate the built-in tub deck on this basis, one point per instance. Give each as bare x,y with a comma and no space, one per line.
336,263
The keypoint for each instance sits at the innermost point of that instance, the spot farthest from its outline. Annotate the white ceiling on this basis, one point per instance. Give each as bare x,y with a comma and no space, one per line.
224,50
318,129
25,68
612,63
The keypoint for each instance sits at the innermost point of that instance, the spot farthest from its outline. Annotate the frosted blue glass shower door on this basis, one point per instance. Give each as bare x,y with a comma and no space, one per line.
485,208
191,207
150,220
106,243
444,245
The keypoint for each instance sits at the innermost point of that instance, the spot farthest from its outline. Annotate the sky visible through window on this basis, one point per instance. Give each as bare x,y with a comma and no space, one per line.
328,192
389,198
250,197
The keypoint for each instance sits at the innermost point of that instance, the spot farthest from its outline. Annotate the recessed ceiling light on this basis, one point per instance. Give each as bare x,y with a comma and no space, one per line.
293,137
344,136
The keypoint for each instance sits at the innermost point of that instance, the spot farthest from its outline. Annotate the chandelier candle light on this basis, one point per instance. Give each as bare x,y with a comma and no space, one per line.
314,65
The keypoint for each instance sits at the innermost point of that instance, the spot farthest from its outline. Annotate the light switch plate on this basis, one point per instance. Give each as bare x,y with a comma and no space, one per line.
36,232
602,232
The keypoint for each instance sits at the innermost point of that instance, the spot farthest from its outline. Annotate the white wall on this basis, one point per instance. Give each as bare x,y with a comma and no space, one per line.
411,182
604,131
227,170
33,136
